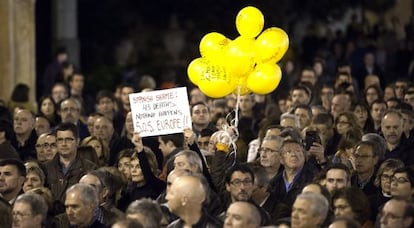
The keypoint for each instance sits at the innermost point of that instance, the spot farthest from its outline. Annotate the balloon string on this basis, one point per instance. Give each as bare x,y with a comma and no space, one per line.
236,119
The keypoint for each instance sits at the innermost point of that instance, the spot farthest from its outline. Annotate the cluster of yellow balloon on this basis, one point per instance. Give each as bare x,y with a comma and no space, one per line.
243,65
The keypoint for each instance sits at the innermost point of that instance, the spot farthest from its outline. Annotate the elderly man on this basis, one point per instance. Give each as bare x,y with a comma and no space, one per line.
25,135
242,214
269,155
145,211
94,179
185,199
287,185
46,147
70,111
29,211
81,203
340,103
397,213
188,159
398,146
12,176
309,210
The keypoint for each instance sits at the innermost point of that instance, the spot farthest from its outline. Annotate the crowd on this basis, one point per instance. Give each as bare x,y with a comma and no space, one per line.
324,150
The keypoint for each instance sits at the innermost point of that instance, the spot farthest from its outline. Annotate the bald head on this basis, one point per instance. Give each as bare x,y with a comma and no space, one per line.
191,187
186,196
242,214
23,122
340,103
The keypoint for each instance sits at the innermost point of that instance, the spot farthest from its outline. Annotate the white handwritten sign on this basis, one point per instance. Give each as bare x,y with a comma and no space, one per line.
160,112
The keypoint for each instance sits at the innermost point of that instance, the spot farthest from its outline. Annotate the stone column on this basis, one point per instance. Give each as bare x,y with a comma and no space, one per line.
65,27
17,46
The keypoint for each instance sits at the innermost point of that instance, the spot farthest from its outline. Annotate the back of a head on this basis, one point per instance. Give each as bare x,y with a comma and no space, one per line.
150,211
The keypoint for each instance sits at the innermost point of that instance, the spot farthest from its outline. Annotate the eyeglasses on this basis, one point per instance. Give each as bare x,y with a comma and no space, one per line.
342,122
20,214
267,150
400,180
360,156
291,152
238,182
46,145
390,216
386,177
69,110
65,140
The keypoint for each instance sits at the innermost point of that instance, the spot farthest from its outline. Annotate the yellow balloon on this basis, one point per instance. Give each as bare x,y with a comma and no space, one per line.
212,43
216,81
264,79
249,22
196,68
239,56
271,45
242,87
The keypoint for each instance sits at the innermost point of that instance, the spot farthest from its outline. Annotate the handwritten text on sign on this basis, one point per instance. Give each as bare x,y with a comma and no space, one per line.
160,112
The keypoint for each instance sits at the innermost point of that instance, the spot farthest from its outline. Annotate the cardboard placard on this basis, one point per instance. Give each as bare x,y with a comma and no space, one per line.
160,112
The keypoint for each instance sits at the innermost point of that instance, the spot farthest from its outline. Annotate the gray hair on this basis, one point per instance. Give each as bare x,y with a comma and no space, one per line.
150,209
36,202
318,203
279,140
380,143
288,115
192,157
87,193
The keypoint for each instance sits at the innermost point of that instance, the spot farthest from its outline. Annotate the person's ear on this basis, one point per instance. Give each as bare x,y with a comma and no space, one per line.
21,180
105,192
38,219
228,187
408,221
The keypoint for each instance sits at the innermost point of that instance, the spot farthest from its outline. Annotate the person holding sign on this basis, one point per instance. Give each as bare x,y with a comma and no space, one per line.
144,170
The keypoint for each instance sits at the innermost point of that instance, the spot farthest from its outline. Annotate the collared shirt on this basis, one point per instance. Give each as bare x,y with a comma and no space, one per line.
288,185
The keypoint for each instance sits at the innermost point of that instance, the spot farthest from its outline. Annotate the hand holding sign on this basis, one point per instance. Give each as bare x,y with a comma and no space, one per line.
137,141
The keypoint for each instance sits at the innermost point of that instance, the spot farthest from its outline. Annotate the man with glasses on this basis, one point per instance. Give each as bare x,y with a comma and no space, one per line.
288,184
29,211
239,181
269,155
70,112
65,169
397,213
46,147
364,159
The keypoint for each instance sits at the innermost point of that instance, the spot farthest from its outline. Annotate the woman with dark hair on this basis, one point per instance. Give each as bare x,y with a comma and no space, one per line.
402,183
144,172
48,108
352,203
362,113
346,121
20,98
372,93
102,151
